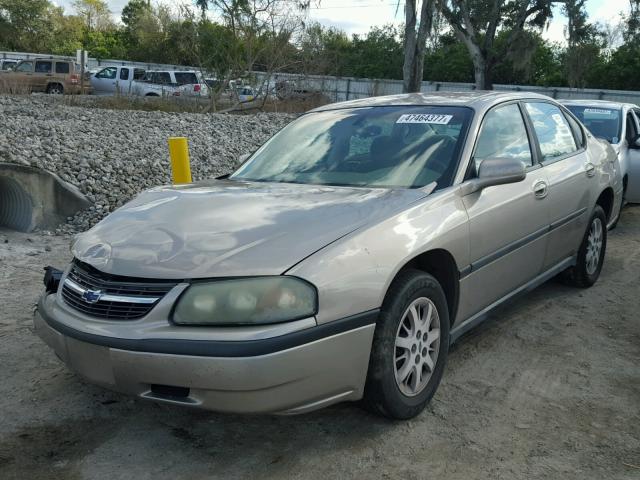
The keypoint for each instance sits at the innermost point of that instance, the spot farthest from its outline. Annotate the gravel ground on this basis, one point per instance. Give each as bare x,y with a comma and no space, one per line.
111,155
549,388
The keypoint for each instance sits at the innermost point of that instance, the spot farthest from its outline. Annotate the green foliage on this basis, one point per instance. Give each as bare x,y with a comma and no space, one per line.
449,61
240,42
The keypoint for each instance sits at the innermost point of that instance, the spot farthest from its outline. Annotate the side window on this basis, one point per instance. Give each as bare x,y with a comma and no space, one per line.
26,67
503,135
632,131
43,67
577,131
124,74
552,129
164,77
109,73
62,67
138,73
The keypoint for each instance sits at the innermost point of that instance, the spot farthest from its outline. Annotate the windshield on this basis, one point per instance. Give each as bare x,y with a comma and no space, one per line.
602,122
406,147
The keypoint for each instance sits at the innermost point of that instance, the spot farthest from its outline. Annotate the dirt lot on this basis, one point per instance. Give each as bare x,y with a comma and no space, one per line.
549,388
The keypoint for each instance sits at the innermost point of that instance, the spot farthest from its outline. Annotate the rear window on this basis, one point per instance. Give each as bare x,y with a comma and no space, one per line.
184,78
602,122
43,67
62,67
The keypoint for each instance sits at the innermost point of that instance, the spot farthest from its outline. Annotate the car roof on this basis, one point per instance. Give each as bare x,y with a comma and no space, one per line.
477,99
599,103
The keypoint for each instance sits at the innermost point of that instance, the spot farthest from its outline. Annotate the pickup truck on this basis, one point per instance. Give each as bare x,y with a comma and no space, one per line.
115,79
166,83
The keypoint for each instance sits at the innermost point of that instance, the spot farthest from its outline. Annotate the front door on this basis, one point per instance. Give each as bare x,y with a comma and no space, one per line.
22,77
104,81
508,223
566,165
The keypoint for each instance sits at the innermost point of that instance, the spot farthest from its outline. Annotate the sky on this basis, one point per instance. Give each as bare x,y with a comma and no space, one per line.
357,16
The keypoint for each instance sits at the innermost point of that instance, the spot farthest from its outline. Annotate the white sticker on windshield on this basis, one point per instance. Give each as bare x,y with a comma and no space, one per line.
598,111
431,118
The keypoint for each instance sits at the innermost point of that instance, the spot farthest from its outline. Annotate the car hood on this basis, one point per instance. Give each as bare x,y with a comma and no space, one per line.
225,228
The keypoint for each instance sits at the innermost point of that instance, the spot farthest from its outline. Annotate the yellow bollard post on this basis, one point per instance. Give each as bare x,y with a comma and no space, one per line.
179,154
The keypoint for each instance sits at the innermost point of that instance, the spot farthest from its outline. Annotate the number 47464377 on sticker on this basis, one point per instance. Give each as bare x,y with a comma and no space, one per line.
424,118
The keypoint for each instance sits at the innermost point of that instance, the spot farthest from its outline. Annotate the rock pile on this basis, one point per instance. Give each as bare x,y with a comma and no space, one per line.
111,155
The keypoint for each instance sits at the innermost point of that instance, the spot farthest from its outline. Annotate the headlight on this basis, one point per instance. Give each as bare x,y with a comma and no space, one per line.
246,301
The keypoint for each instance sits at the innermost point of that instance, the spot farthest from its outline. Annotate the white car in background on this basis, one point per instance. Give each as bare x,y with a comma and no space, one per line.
176,83
618,124
115,79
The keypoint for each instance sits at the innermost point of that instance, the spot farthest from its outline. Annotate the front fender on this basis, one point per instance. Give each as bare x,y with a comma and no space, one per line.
353,274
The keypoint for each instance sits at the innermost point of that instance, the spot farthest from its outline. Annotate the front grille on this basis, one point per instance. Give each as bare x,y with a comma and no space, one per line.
111,297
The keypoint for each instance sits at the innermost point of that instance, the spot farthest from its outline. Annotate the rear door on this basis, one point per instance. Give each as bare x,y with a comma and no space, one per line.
123,83
62,73
508,223
42,74
571,177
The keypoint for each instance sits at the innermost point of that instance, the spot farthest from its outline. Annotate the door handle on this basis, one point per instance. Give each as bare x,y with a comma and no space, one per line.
590,169
540,189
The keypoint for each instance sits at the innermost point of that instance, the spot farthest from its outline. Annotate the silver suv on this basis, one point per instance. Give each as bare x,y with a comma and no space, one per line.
341,260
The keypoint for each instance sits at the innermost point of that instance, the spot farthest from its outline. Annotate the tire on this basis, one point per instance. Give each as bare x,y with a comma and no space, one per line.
585,272
388,391
55,89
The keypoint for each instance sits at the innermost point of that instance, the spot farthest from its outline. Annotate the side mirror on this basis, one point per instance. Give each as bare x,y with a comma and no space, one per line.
495,171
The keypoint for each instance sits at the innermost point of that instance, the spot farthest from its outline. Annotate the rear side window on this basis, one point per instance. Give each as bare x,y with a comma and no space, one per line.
124,74
552,129
43,67
138,73
503,135
577,131
163,77
62,67
184,78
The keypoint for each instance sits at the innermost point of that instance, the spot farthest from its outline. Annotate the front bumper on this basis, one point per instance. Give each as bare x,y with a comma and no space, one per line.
298,376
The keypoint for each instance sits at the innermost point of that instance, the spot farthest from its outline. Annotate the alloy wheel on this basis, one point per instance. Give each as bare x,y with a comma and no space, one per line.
594,246
417,345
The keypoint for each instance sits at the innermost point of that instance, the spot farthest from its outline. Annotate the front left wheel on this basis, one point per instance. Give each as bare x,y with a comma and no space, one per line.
410,347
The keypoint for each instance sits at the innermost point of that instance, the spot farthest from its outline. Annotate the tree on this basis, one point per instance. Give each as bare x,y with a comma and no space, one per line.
25,25
415,42
476,24
378,54
95,13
